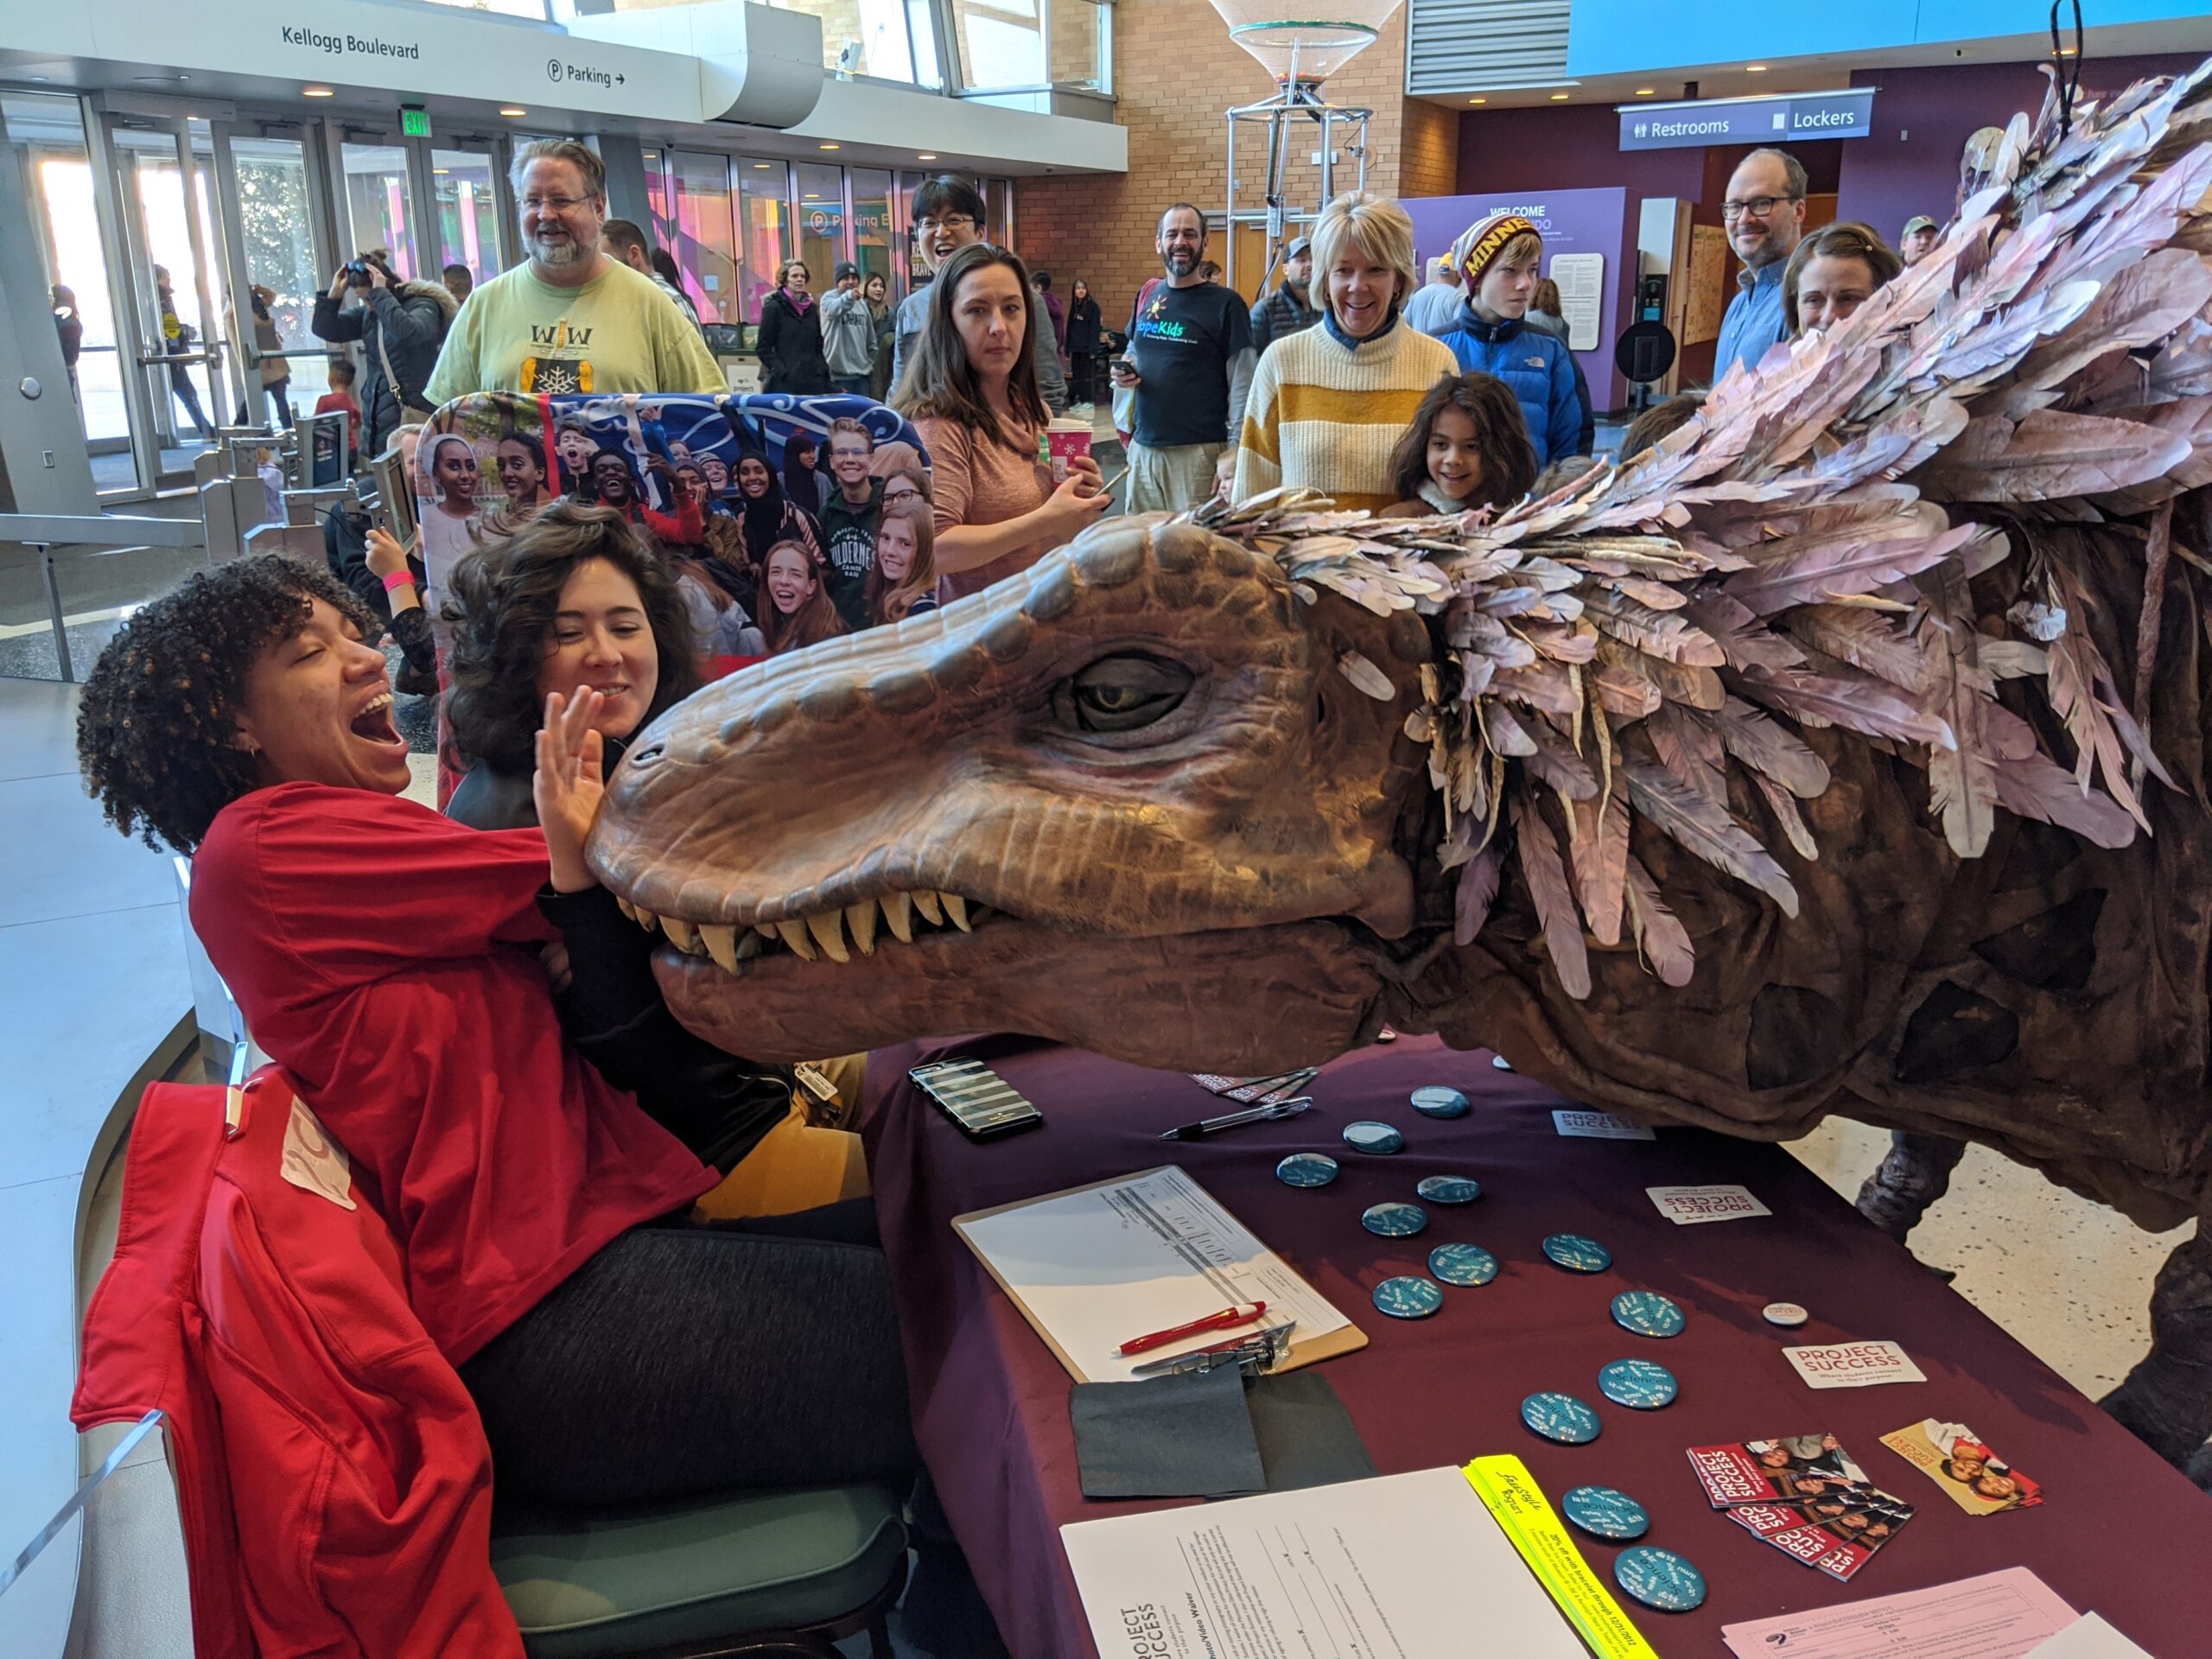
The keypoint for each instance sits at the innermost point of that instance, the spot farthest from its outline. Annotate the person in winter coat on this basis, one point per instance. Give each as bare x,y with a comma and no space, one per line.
790,340
401,325
1086,337
1498,257
847,332
276,373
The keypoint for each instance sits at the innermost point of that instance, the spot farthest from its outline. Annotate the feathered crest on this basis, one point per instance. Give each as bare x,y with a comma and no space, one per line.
1804,551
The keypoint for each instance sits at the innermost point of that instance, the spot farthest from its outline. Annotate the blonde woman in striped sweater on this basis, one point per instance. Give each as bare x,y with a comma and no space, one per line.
1329,404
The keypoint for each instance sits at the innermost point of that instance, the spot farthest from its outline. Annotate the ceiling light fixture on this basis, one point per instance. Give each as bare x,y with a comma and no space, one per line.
926,155
318,91
1558,98
1755,68
828,146
511,111
1479,100
1645,91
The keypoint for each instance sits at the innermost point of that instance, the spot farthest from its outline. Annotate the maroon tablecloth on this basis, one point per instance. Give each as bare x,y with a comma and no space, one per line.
2119,1531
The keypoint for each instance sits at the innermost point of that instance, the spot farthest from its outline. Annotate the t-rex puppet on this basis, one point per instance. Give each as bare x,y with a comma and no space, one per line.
1845,752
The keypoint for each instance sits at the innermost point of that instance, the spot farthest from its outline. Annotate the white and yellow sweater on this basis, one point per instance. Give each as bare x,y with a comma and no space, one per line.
1327,416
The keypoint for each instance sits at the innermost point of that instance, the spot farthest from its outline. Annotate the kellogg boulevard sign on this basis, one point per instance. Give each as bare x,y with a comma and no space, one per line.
1847,114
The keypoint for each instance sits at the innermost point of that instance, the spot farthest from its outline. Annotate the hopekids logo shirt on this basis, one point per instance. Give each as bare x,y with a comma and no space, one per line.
617,333
1182,340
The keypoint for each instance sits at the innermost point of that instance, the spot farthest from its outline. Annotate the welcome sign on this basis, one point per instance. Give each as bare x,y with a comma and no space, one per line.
1799,116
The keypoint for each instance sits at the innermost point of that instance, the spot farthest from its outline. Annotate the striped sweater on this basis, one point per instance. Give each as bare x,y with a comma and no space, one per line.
1326,415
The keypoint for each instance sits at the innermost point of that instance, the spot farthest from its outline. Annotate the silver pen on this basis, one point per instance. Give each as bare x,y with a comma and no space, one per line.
1207,1126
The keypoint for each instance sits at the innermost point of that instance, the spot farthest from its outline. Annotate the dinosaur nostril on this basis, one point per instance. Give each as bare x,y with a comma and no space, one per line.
649,753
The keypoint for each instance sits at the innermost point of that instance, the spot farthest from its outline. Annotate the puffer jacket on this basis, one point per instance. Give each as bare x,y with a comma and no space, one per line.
1536,368
410,320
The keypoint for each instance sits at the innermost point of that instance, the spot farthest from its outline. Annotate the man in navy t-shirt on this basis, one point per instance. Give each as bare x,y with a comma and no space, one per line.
1190,342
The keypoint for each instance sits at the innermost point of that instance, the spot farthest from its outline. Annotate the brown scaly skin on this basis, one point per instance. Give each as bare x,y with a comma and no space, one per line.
1249,884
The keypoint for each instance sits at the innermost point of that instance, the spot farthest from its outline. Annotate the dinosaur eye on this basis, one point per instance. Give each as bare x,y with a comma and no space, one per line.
1123,693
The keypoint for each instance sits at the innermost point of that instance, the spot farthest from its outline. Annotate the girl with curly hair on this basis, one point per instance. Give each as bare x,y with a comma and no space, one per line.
372,947
1467,446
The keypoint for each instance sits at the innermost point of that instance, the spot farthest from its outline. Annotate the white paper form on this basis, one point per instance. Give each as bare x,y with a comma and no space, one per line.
1401,1567
1998,1616
1099,1267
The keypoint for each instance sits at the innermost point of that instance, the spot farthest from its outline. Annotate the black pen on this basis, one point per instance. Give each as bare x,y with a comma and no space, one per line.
1207,1126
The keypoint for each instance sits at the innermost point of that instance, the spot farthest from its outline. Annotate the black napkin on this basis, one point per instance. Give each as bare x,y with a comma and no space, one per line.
1305,1434
1187,1436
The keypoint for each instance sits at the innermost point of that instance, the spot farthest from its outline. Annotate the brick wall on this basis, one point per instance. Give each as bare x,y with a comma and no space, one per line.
1175,72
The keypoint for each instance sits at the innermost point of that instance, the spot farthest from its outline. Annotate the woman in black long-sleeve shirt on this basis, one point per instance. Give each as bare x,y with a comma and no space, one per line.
1086,330
790,339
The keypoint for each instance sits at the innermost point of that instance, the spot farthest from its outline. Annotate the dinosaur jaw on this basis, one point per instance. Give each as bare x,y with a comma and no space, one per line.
1239,1000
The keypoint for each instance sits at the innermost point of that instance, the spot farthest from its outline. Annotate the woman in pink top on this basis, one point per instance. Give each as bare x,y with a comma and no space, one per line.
971,390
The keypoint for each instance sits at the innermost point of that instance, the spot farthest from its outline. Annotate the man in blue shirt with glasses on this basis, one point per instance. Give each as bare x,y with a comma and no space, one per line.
1765,218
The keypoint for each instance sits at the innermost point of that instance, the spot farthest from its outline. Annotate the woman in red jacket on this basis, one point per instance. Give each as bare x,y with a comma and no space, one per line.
388,958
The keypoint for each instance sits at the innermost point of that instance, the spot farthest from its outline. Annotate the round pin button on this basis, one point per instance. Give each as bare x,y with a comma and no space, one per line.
1436,1101
1373,1137
1408,1298
1648,1313
1306,1169
1560,1417
1394,1220
1498,1062
1606,1512
1463,1264
1784,1313
1638,1382
1577,1254
1660,1579
1450,1189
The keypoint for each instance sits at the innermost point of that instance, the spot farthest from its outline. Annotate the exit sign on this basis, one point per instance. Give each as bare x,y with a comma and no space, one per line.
415,124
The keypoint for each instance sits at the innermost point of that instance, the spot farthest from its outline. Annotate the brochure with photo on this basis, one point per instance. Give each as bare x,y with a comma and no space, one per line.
1773,1470
1964,1464
1837,1532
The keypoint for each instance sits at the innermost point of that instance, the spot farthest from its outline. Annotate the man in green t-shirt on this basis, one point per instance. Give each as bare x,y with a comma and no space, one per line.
572,319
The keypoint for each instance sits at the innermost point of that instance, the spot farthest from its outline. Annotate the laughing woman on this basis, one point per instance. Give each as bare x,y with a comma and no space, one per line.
1329,404
373,947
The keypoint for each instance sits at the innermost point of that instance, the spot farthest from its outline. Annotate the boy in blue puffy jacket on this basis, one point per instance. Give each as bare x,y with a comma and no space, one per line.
1498,257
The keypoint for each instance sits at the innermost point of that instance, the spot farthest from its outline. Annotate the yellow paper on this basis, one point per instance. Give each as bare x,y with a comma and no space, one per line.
1511,1495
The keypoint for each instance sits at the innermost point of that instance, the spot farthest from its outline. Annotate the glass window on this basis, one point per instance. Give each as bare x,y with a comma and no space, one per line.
704,239
379,208
868,37
871,222
821,221
1081,52
764,209
663,227
1001,42
998,202
468,209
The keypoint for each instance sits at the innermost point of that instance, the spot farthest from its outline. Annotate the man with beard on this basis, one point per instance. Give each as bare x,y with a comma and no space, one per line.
1190,358
948,215
1765,215
570,319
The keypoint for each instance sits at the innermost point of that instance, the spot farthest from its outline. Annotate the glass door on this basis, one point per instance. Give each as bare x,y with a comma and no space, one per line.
821,242
271,209
380,205
174,335
463,184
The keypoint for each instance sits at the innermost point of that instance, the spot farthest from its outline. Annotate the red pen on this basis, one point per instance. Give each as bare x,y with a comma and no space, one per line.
1228,1319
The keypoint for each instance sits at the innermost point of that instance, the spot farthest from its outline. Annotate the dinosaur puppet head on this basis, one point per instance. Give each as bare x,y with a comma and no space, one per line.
1126,801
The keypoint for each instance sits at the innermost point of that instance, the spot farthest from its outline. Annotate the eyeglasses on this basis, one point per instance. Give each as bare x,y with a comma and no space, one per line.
559,206
949,222
1757,207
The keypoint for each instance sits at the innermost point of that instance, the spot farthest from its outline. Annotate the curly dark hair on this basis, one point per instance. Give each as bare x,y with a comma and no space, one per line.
501,610
1502,431
157,723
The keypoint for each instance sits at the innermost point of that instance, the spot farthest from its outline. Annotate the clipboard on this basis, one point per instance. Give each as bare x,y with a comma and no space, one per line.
1287,1285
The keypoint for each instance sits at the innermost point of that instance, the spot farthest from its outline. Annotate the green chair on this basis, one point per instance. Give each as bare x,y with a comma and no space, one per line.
760,1573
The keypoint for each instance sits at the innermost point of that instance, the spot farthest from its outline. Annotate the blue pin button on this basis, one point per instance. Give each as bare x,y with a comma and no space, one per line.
1577,1254
1306,1169
1408,1298
1436,1101
1373,1137
1450,1189
1648,1313
1394,1220
1638,1382
1560,1417
1606,1512
1660,1579
1463,1264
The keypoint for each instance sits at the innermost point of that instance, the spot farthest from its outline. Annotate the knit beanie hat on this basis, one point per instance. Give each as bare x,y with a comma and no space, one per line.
1481,242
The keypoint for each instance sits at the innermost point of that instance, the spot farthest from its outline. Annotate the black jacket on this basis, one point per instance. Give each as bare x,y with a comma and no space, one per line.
411,322
1085,325
789,346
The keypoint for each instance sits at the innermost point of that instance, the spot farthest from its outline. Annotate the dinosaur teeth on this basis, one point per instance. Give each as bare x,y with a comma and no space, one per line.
722,945
681,934
860,918
626,907
926,901
644,918
956,908
749,945
899,911
795,935
829,931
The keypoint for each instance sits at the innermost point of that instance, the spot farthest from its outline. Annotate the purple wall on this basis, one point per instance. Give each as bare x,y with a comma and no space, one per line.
1922,119
1572,221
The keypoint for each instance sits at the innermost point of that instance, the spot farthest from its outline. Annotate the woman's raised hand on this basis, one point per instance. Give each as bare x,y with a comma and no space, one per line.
386,557
567,786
